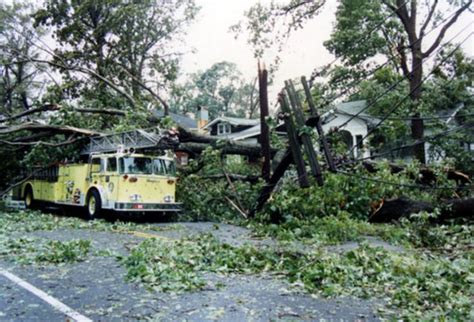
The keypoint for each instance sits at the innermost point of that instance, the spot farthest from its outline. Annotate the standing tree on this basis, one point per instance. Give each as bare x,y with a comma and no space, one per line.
401,37
121,45
19,79
365,29
221,89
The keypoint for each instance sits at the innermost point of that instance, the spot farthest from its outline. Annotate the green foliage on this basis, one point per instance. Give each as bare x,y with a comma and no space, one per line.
115,42
420,232
19,79
420,285
268,26
221,89
57,252
206,197
178,266
343,192
28,221
29,251
357,20
327,230
415,284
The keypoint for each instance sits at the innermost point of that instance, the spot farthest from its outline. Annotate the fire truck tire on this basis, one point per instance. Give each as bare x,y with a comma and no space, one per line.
28,198
93,204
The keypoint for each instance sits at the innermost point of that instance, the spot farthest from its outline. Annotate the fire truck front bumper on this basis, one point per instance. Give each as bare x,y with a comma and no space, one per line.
147,207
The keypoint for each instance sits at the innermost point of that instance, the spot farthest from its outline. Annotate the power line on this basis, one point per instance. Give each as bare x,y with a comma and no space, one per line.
402,147
413,90
428,118
394,85
365,37
389,60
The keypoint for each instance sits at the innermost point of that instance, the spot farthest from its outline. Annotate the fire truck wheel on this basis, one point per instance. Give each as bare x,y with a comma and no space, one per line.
93,205
28,198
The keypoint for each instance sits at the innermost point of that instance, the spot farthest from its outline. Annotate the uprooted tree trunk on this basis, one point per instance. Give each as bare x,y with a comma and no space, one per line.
395,209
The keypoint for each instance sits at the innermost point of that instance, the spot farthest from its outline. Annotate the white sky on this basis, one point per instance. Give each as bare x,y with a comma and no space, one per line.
213,42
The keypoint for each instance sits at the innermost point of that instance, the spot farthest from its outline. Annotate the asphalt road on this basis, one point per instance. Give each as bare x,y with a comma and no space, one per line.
96,288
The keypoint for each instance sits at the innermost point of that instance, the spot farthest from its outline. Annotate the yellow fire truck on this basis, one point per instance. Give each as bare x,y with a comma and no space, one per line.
122,181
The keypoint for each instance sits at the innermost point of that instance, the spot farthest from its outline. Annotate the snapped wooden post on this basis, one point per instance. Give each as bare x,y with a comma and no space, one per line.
294,142
319,128
305,137
264,131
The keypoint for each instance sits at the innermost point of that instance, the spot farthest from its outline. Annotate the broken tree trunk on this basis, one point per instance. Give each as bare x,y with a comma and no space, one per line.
395,209
54,129
428,176
268,188
251,150
196,143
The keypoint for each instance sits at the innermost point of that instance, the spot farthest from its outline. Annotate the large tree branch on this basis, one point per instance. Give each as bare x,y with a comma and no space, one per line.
148,89
44,108
445,28
35,143
403,58
108,111
428,18
296,5
88,72
35,127
402,13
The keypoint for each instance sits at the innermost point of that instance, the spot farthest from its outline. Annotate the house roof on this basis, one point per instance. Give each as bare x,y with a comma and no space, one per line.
354,109
450,114
182,120
236,121
245,134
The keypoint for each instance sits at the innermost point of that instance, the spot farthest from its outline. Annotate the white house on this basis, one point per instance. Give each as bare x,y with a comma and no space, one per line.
355,126
352,123
234,128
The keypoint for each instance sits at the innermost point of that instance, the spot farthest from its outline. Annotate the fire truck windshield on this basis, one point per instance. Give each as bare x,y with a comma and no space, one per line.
163,167
144,165
135,165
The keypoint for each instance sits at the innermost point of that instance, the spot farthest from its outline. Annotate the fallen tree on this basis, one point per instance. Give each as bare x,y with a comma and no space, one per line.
228,147
53,129
395,209
427,175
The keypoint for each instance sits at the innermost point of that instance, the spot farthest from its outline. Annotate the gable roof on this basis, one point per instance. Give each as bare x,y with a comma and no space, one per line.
245,134
236,121
182,120
353,109
449,115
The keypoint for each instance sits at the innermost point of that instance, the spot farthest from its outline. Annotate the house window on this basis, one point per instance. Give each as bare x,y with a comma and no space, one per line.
223,128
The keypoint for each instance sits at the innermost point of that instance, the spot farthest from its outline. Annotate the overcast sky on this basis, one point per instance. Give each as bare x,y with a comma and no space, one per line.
213,42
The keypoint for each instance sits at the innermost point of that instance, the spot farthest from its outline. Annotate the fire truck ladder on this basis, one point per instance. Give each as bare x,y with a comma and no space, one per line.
136,139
